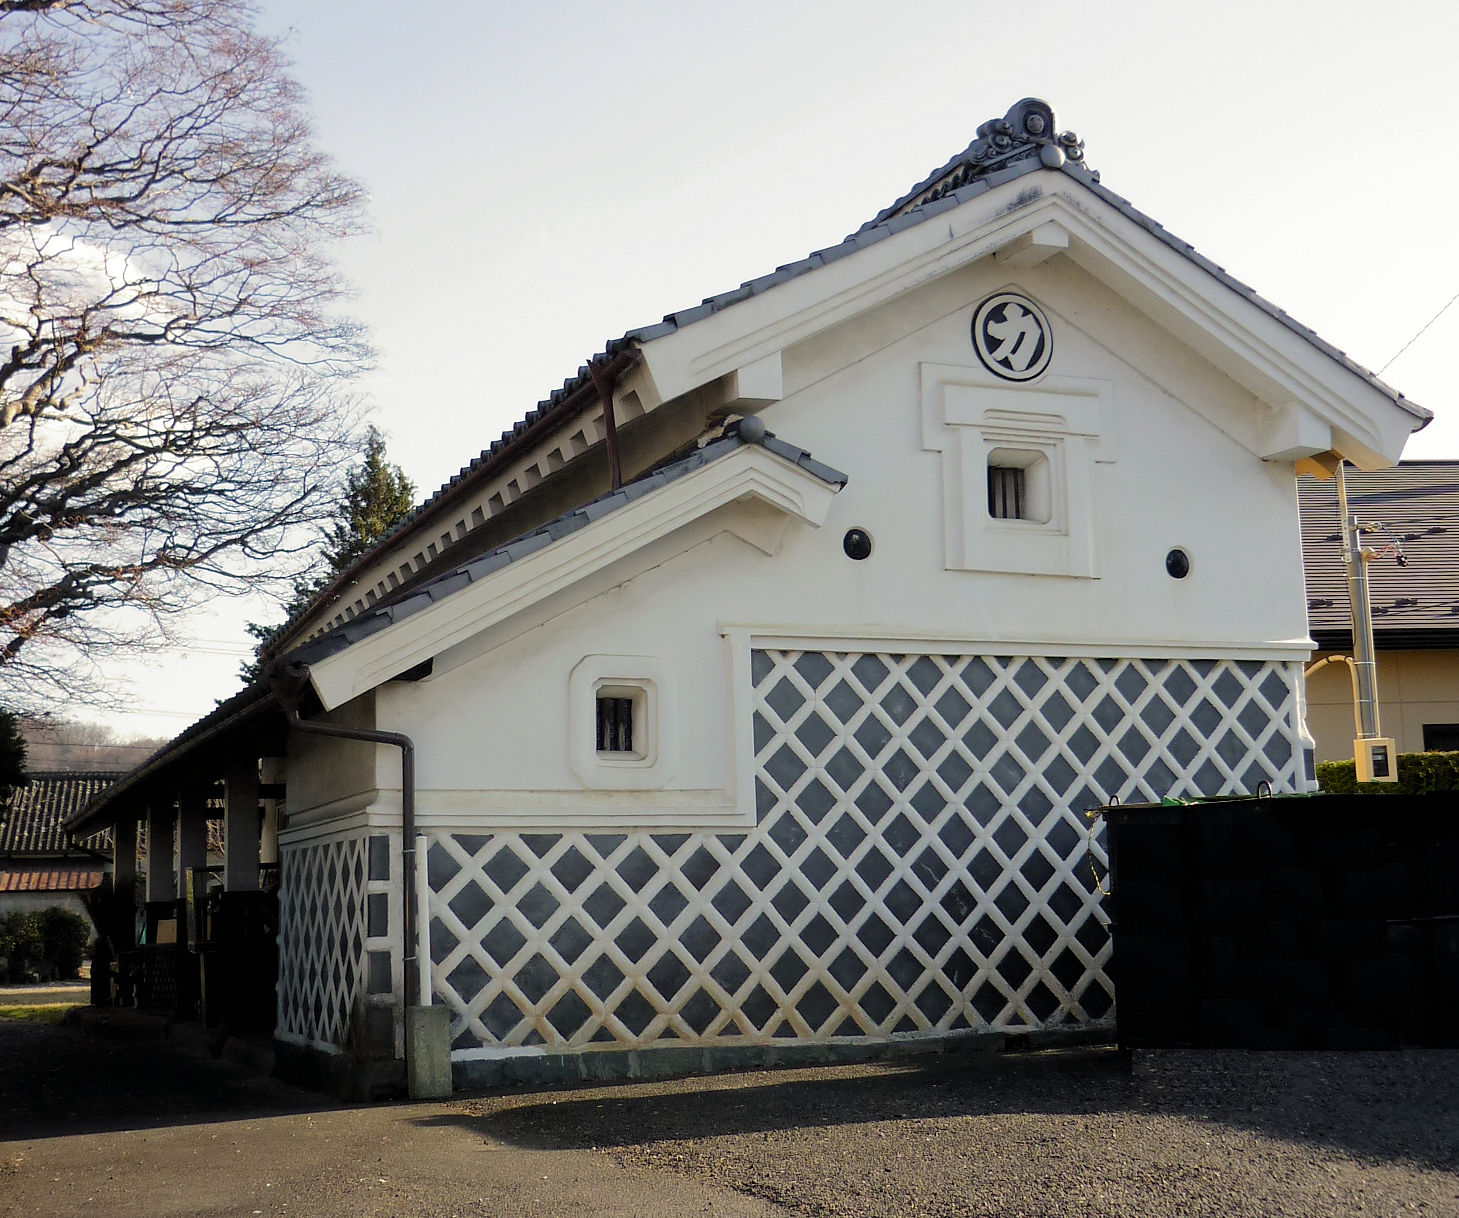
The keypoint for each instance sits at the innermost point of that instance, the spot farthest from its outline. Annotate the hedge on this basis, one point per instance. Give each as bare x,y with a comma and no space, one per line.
1418,774
33,944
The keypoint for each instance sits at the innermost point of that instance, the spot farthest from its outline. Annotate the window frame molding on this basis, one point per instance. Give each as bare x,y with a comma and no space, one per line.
1068,422
649,682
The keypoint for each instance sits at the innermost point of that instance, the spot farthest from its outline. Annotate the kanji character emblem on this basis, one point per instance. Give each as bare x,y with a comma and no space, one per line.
1012,337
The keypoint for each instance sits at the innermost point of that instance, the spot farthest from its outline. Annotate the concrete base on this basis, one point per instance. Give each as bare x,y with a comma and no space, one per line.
428,1052
612,1065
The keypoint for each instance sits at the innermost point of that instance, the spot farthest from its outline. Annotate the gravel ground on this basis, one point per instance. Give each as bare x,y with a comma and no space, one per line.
128,1128
1058,1133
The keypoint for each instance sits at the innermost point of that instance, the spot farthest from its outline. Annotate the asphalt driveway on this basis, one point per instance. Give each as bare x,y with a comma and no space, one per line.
111,1127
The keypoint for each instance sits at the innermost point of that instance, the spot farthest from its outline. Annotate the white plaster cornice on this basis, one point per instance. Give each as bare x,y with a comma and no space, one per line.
750,473
1025,221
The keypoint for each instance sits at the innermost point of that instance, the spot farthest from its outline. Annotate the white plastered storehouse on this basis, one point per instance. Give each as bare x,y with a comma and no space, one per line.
769,751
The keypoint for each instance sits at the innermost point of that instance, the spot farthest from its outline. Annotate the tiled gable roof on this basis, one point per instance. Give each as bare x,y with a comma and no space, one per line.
1415,506
38,811
453,580
1024,140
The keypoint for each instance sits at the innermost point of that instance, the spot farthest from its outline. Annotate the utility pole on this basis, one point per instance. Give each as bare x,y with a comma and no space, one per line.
1372,752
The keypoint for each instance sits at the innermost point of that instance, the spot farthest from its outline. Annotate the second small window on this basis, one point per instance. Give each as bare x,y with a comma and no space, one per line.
615,724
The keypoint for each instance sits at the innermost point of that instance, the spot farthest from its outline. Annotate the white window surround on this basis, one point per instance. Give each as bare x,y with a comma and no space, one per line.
1057,430
649,682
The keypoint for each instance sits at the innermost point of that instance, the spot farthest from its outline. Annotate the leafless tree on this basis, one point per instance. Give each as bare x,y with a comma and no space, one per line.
174,398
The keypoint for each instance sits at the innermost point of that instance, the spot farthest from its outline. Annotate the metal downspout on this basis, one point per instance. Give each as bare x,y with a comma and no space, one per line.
288,683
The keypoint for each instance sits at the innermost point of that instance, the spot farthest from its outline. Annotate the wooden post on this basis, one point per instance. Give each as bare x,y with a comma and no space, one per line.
161,826
192,841
124,854
241,827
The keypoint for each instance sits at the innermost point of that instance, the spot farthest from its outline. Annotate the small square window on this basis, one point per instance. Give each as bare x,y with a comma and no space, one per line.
1019,485
615,724
621,725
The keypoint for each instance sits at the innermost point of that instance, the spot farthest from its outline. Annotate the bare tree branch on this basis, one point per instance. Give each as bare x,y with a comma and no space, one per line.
174,411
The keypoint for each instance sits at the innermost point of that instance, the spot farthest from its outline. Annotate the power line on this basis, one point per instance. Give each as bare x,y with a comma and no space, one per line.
1420,334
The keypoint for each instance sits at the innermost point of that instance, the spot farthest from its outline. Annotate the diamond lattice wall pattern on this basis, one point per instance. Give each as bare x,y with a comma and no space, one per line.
322,914
920,863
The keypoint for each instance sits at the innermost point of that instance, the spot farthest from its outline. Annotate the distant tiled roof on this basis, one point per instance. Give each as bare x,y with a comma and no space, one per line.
448,582
39,809
1416,506
50,877
1023,141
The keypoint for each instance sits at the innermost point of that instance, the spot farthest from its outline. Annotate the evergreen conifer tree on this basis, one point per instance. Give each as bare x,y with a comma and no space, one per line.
377,497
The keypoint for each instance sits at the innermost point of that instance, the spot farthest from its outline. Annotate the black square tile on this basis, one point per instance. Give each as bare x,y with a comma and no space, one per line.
730,973
873,736
570,941
569,1013
816,1006
731,901
635,1012
814,668
505,869
924,673
602,977
699,1012
535,978
870,671
877,1003
843,701
668,903
667,975
953,708
700,939
603,905
502,941
500,1017
789,900
572,869
635,939
537,905
784,699
788,969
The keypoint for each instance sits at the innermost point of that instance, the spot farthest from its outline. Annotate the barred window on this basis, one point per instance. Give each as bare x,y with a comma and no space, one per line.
615,724
1007,497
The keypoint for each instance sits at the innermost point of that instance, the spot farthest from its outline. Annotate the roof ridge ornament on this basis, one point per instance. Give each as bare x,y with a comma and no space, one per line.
1028,130
1029,124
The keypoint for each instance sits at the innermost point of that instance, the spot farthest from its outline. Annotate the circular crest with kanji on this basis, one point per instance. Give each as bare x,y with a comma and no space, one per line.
1012,337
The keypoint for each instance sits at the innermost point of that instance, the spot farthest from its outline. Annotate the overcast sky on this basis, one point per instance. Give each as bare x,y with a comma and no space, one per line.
545,176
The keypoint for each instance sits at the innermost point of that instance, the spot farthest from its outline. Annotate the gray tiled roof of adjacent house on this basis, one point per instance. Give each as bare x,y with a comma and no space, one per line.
38,811
1416,508
452,581
1006,149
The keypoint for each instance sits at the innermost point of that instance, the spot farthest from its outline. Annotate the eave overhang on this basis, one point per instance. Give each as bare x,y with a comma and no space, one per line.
181,759
1318,400
421,627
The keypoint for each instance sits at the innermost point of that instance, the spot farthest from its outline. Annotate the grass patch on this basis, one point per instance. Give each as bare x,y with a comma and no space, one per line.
45,1012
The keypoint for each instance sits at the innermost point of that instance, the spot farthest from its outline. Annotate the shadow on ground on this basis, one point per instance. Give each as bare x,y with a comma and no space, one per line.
56,1080
1401,1106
